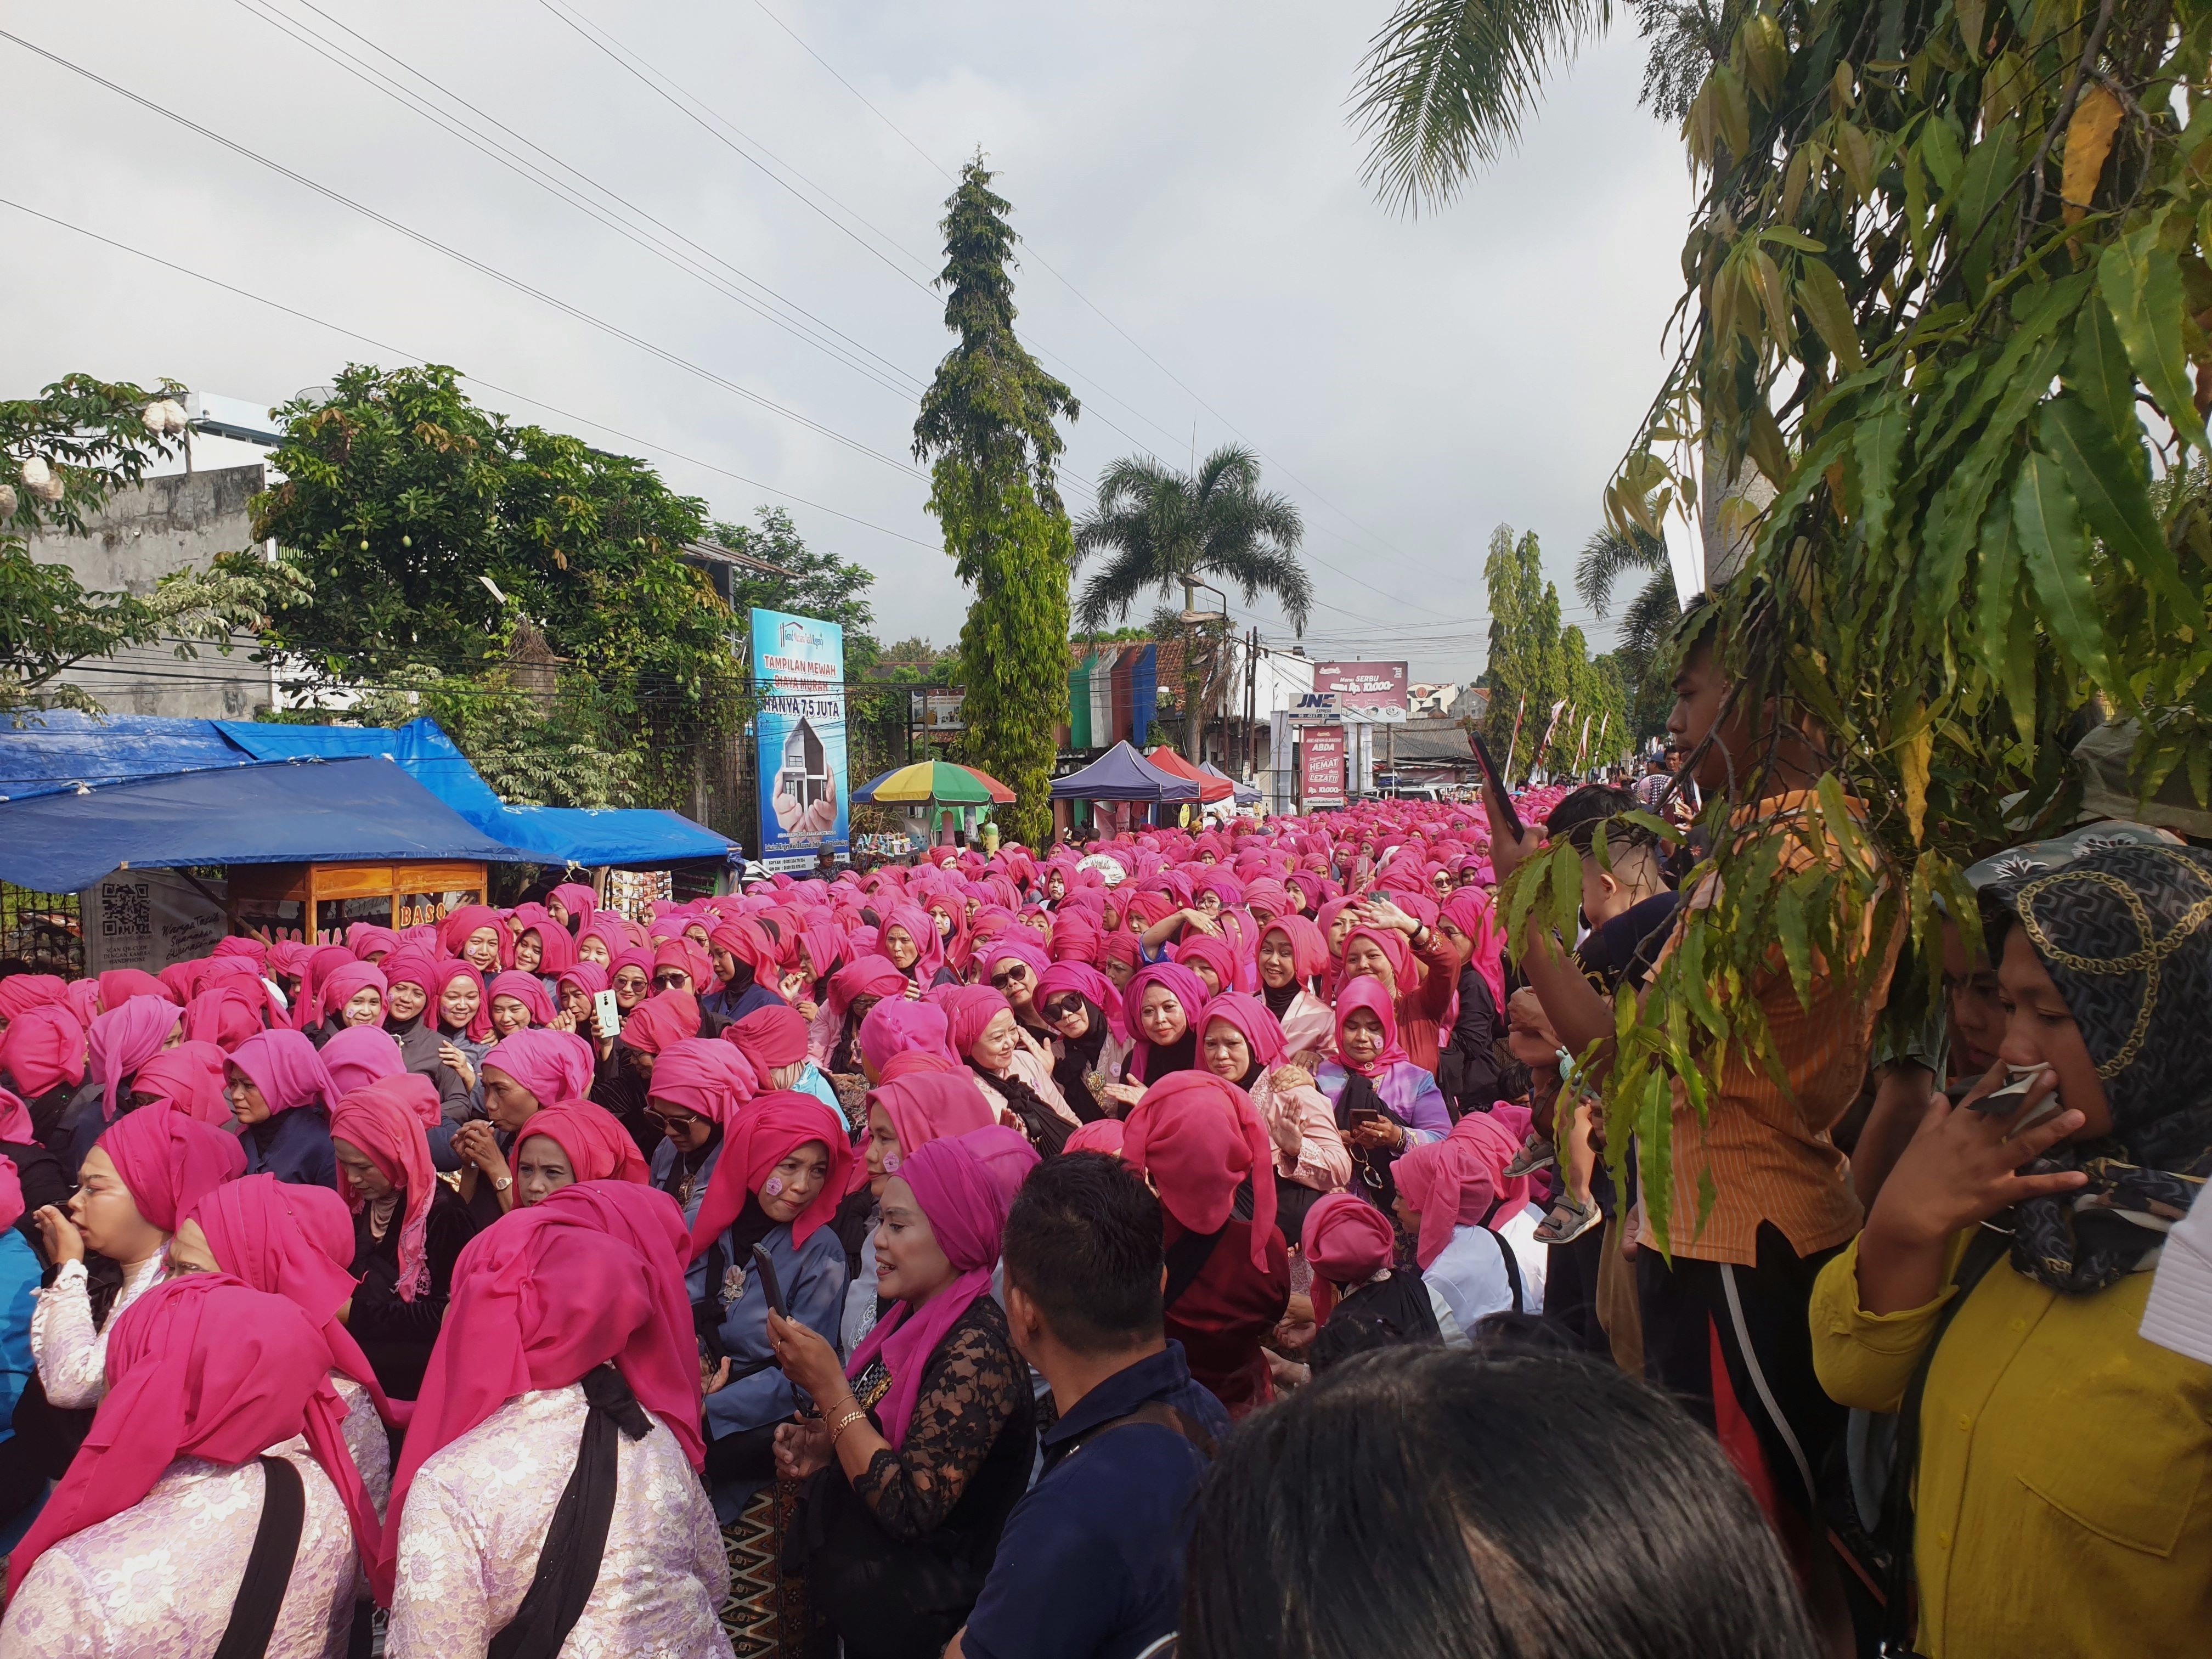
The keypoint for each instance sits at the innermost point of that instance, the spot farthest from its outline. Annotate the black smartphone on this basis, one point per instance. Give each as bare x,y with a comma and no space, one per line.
764,1266
1365,1115
1501,803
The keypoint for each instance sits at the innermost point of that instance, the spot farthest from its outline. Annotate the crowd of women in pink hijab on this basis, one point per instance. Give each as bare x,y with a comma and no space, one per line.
391,1288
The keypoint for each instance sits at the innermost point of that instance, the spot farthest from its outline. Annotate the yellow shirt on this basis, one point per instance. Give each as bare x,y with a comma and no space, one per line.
2063,1502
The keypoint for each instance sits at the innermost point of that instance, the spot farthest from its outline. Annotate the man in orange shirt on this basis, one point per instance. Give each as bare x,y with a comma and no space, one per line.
1741,1277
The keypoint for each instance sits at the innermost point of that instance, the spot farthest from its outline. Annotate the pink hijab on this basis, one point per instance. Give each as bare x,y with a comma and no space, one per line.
1469,910
1458,1181
593,1274
201,1366
1199,1137
285,1067
362,1054
169,1162
556,1067
189,1077
385,1120
965,1189
126,1037
896,1026
297,1242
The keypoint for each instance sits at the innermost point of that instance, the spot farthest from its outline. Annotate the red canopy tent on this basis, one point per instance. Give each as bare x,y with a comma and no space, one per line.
1210,788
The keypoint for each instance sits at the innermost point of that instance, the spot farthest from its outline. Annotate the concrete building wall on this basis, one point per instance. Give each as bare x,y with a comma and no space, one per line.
166,524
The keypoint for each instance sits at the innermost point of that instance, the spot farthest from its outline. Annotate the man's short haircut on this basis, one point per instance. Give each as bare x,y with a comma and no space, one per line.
1084,1243
1576,818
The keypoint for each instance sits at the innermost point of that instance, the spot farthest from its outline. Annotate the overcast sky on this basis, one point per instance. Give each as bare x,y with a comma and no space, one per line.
1187,171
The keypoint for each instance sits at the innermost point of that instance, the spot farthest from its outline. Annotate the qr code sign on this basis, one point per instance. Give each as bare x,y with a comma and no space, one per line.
126,909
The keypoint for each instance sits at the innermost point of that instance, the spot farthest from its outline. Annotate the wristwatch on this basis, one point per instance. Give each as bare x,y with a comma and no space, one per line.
501,1183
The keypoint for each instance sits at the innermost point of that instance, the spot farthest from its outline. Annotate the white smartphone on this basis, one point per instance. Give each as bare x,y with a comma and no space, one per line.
606,1012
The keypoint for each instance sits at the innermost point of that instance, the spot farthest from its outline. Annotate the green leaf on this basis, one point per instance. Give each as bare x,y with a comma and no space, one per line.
2141,282
1939,151
1877,448
1992,169
2099,371
1970,15
1820,295
2057,547
1855,154
1789,238
2109,483
1797,944
1999,585
1731,110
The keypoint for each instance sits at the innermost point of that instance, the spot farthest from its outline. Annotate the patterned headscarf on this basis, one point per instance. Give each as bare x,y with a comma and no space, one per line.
2125,933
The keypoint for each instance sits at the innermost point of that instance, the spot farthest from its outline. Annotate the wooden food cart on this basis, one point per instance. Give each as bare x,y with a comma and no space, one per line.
317,902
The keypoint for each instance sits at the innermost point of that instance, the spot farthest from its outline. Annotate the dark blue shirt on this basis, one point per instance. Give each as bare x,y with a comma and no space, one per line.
1090,1566
292,1146
733,1007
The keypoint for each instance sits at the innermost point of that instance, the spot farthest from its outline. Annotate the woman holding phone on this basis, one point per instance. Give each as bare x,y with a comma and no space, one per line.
1384,1103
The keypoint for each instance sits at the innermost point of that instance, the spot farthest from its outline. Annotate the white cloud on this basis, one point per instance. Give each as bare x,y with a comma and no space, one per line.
1189,169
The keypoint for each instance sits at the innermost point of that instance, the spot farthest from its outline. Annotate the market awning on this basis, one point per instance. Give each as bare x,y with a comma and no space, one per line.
1122,774
1245,794
277,812
1212,785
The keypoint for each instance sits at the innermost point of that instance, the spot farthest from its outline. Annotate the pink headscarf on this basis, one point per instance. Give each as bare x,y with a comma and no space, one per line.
896,1026
598,1147
1469,910
863,976
385,1120
1261,1030
1106,1135
454,932
1189,991
556,948
767,1130
15,1123
1369,993
118,985
1346,1239
286,1068
920,926
225,1014
362,1054
706,1076
294,1241
525,988
1308,947
42,1048
1458,1181
126,1037
966,1201
593,1274
578,900
479,1026
929,1106
189,1078
11,1184
22,992
169,1162
770,1037
555,1067
1090,984
968,1009
200,1366
1215,953
1199,1137
342,985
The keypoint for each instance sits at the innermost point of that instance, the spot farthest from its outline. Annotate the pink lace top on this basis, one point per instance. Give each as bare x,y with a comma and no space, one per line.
161,1578
476,1517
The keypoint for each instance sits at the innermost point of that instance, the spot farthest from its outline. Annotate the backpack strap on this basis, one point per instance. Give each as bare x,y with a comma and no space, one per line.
1512,1268
1185,1260
1160,1415
260,1595
1984,1251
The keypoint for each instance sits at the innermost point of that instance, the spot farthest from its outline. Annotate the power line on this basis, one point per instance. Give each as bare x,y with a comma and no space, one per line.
504,391
577,313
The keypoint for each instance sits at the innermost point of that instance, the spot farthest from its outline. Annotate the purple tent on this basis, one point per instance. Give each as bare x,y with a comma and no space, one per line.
1122,774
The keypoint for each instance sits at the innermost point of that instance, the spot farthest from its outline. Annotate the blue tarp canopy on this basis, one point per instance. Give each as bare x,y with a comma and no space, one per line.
279,812
1122,774
63,751
1243,793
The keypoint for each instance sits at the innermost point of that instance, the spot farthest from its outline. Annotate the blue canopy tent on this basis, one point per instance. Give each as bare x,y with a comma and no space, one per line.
270,812
62,751
1122,774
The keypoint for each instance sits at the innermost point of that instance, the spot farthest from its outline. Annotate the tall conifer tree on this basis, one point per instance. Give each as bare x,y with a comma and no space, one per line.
986,428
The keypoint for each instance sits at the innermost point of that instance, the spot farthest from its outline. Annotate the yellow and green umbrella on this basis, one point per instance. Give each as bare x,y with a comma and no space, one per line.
934,780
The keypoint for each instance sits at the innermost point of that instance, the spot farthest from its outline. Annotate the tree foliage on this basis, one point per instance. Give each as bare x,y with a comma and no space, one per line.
1646,624
1948,294
437,534
813,583
987,427
64,455
1157,528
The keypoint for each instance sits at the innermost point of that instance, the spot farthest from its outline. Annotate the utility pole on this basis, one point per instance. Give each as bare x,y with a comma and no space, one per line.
1193,720
1251,696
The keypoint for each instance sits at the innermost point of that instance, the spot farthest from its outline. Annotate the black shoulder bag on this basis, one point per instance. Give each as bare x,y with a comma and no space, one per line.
269,1566
576,1542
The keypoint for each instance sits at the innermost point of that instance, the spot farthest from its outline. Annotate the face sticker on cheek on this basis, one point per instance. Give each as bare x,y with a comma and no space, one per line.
773,1187
891,1161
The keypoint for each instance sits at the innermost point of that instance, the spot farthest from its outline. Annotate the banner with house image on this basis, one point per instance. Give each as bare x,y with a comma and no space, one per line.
799,675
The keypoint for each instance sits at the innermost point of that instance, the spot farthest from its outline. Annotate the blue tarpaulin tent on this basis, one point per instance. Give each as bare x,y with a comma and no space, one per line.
264,812
1122,774
1243,793
63,751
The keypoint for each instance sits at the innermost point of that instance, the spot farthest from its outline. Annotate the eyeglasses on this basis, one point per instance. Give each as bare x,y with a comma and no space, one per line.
1014,975
671,982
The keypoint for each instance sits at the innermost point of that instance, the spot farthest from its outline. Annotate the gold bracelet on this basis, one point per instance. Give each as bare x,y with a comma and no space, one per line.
858,1415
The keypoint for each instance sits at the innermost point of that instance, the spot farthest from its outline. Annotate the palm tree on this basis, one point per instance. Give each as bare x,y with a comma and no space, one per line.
1161,528
1649,619
1447,85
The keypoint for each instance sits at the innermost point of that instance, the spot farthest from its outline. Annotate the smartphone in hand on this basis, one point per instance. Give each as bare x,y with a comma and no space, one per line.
606,1013
764,1266
1501,804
